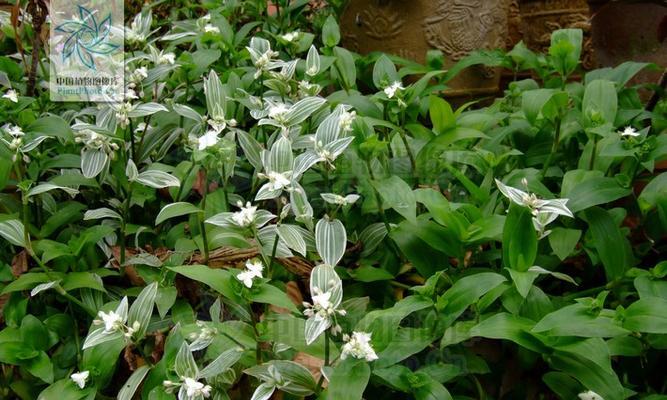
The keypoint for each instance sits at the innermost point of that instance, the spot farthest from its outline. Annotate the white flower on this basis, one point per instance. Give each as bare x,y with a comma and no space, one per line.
321,300
11,95
391,90
112,321
358,346
211,29
14,131
194,389
203,338
207,140
141,72
167,58
337,199
277,180
630,131
291,36
590,395
536,205
246,216
278,111
253,270
80,378
345,120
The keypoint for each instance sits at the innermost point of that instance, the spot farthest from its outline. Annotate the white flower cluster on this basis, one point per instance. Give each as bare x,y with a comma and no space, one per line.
190,389
253,270
96,141
630,131
116,321
393,89
291,36
11,95
246,216
358,346
203,338
16,134
544,211
80,378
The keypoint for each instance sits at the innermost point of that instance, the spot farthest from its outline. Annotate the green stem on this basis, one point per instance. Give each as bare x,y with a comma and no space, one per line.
413,162
554,148
202,226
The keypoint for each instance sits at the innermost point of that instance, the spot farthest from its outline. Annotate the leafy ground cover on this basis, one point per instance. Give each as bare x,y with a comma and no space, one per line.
269,215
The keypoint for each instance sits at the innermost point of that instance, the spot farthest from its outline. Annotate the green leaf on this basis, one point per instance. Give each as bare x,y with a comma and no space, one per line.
465,292
65,389
578,320
563,241
384,72
398,195
34,333
345,66
219,280
142,309
78,280
13,231
223,362
269,294
510,327
184,364
424,387
301,382
330,240
544,103
600,103
442,115
593,191
133,382
348,380
612,247
330,32
565,50
647,315
519,239
176,210
29,281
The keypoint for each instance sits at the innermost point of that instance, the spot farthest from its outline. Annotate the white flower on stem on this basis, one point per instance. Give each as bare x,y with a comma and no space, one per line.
11,95
246,216
208,28
207,140
194,389
278,111
114,321
14,131
203,338
544,211
278,180
337,199
345,120
253,270
291,36
630,131
166,58
80,378
358,346
326,291
392,89
590,395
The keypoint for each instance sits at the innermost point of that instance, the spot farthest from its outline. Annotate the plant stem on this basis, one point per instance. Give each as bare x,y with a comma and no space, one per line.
554,147
202,226
413,163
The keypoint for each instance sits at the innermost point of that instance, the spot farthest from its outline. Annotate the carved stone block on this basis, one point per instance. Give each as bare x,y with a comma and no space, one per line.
410,28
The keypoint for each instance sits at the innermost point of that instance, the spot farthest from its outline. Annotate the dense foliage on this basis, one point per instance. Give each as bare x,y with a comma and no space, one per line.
271,213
